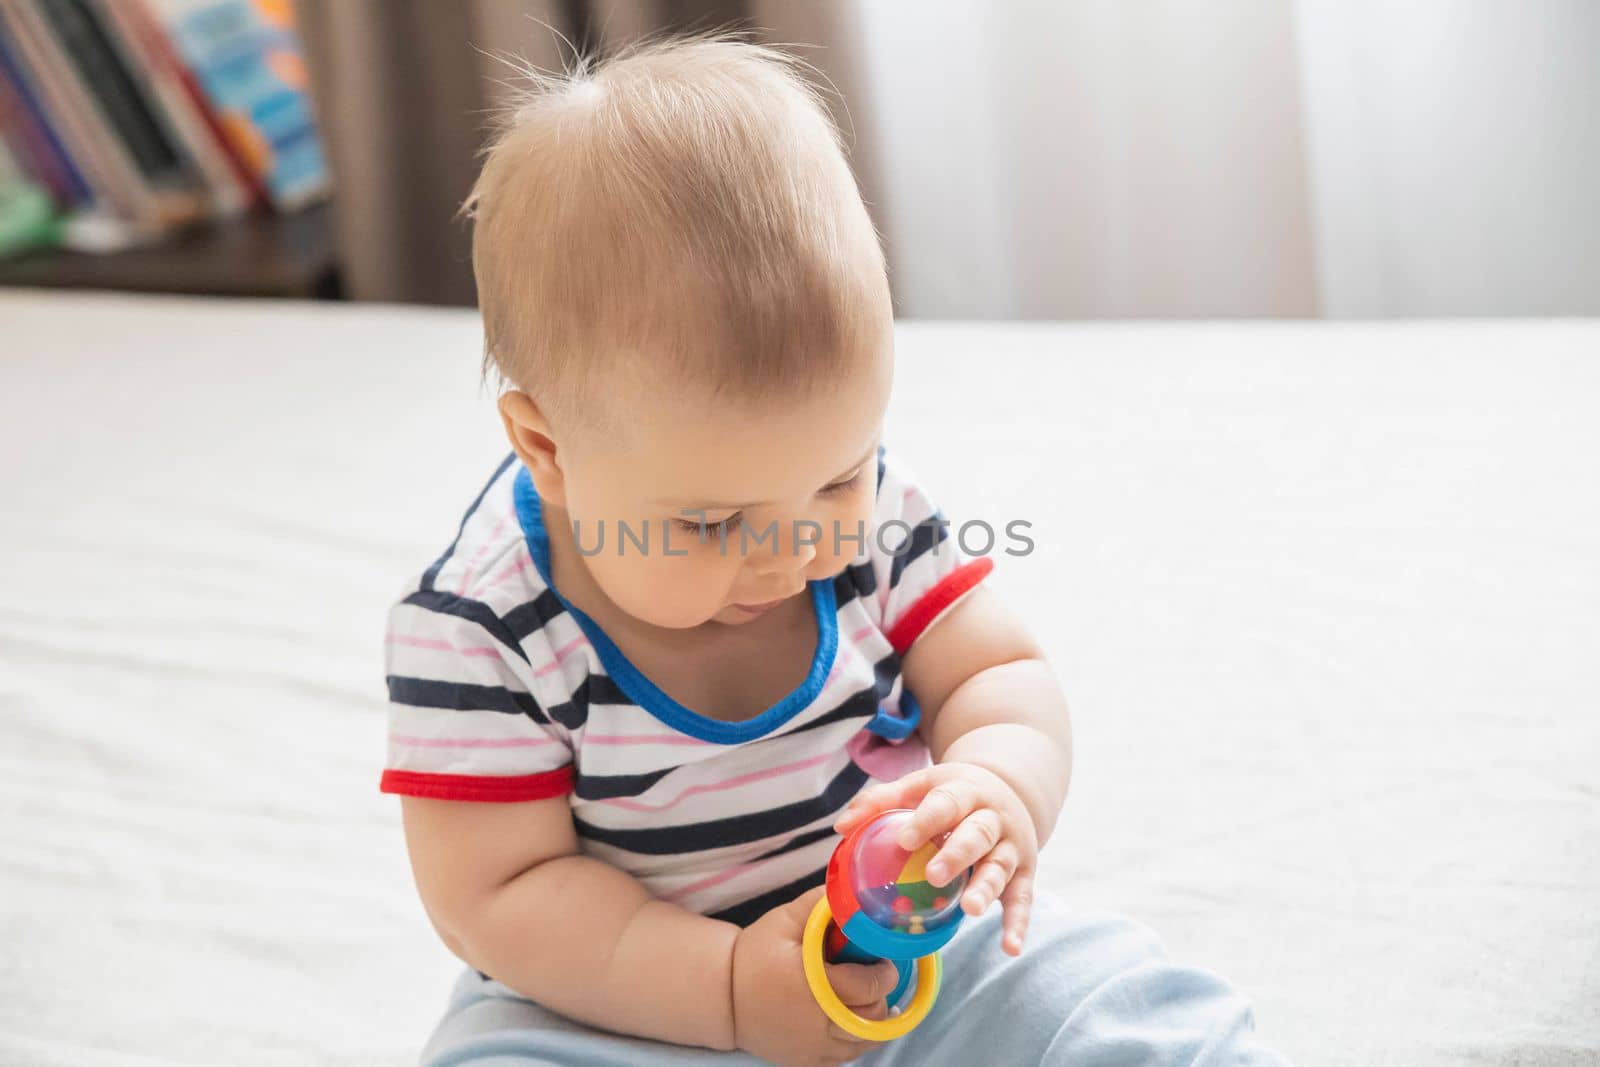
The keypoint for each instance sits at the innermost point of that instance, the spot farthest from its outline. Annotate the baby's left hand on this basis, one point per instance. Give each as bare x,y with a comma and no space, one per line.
989,827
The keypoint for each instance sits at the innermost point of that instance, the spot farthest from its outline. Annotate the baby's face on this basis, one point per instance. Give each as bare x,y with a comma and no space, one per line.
733,494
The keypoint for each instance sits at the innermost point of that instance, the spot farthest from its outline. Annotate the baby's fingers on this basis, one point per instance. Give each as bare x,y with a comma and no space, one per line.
991,878
1017,901
875,799
941,809
862,985
975,838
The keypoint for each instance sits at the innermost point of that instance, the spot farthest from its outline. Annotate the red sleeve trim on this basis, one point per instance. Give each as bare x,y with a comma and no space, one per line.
946,591
494,789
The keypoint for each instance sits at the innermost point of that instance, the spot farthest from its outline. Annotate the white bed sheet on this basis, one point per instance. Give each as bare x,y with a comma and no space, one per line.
1325,598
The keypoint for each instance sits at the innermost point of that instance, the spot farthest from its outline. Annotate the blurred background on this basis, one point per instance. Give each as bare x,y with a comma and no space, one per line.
1093,159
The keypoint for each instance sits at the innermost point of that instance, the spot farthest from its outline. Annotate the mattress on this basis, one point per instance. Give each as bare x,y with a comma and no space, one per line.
1325,599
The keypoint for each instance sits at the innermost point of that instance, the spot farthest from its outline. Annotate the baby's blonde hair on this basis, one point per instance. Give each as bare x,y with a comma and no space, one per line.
685,205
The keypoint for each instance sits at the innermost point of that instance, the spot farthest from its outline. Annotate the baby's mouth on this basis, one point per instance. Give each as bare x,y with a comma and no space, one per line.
761,608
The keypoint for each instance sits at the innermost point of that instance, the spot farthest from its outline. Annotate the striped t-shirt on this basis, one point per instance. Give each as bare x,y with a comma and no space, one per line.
501,690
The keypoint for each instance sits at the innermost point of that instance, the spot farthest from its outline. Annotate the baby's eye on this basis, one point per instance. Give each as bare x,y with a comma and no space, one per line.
708,530
841,487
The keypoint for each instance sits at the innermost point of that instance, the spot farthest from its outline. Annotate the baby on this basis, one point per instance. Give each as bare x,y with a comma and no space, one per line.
701,622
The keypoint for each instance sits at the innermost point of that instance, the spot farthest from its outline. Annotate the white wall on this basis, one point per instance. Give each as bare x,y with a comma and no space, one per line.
1455,155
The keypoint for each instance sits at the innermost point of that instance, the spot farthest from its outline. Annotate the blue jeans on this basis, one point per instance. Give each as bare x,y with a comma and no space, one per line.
1088,990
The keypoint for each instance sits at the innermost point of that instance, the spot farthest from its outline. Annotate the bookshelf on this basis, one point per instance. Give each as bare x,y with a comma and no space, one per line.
269,255
185,124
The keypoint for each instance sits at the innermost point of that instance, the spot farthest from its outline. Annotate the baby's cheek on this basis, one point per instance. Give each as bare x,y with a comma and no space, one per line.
671,592
848,534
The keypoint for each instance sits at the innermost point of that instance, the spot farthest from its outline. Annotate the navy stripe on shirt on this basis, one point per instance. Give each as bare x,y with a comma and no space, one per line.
856,580
926,536
748,911
473,611
885,673
528,618
458,696
862,704
594,689
810,837
611,786
734,830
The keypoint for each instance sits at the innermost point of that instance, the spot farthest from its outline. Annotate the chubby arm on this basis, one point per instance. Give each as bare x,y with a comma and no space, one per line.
996,723
508,893
990,699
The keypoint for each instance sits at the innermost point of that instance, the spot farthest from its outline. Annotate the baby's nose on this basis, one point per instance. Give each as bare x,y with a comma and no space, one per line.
793,550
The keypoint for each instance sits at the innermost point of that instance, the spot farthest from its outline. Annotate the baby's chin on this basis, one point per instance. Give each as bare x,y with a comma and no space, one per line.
732,615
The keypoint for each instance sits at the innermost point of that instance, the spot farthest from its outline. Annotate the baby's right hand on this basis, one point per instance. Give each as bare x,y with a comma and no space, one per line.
775,1016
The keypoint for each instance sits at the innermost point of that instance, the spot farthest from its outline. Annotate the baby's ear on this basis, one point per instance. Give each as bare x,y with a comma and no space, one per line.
529,433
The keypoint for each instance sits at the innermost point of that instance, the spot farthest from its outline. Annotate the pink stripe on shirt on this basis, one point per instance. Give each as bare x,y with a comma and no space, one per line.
489,542
517,566
727,783
715,879
708,882
435,645
846,655
471,742
641,739
561,654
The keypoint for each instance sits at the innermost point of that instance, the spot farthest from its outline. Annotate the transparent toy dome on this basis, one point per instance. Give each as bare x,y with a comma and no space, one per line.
891,884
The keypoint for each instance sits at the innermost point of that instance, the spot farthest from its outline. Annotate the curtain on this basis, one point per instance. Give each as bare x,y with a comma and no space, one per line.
1100,158
405,91
1042,160
1454,151
1259,158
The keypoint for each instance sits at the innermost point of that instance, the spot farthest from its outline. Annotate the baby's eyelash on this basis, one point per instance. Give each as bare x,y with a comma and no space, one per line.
721,529
840,487
710,529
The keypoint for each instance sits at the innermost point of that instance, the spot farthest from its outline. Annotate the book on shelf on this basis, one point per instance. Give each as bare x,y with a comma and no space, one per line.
31,140
151,114
100,157
234,186
246,59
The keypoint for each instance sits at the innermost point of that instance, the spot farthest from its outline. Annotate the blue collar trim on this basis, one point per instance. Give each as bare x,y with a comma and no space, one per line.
647,694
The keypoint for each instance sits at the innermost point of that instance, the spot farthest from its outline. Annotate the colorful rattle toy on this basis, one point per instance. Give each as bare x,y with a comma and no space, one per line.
879,905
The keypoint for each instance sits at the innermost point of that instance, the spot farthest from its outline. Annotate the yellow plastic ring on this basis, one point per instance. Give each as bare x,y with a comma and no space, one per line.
811,952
